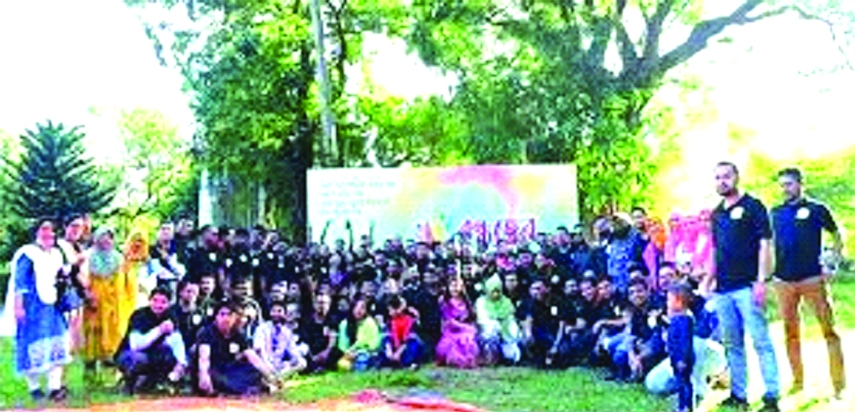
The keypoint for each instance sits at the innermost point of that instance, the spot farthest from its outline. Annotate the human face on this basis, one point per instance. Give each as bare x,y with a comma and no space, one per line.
277,314
207,285
166,233
225,320
666,275
455,287
726,180
294,291
322,304
279,290
790,187
45,235
105,242
292,312
639,219
190,293
74,230
571,287
511,282
674,302
360,311
369,290
605,289
158,304
638,295
242,290
588,291
537,291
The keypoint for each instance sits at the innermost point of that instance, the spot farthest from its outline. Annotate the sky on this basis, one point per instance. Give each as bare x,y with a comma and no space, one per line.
59,58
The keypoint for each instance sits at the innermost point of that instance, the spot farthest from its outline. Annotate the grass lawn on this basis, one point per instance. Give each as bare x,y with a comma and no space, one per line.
501,389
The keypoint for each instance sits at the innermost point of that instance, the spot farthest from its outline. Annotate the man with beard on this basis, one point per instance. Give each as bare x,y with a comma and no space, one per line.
545,320
561,254
277,345
320,333
152,351
188,316
425,301
798,224
743,262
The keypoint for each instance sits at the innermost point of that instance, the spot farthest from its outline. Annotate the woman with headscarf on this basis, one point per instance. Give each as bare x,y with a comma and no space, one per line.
43,343
135,265
497,323
106,321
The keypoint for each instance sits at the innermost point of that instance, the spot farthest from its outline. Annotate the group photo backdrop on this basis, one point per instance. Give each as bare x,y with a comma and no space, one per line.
488,202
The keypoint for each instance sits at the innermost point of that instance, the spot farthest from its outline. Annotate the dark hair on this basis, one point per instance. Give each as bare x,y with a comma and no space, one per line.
396,302
638,209
668,264
161,290
39,222
230,304
242,232
71,217
682,290
351,320
638,267
183,283
274,303
638,282
729,164
792,173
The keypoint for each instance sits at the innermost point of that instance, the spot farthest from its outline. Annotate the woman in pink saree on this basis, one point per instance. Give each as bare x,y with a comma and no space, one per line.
458,346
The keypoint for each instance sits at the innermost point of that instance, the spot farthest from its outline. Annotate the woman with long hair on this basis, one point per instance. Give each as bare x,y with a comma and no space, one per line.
42,339
458,345
359,338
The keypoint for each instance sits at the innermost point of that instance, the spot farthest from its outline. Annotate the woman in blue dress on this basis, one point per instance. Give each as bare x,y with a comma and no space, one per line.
43,344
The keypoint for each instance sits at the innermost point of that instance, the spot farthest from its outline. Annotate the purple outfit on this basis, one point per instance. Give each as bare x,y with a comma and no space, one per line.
458,346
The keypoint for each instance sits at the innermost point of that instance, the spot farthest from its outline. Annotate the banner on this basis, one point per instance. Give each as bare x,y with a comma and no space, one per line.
488,203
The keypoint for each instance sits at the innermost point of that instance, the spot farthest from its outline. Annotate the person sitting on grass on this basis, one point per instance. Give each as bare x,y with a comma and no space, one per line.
403,348
152,353
188,316
250,310
498,325
359,338
320,333
639,347
544,326
227,364
277,345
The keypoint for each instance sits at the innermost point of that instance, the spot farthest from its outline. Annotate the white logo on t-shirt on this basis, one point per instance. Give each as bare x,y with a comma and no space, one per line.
803,213
233,348
737,213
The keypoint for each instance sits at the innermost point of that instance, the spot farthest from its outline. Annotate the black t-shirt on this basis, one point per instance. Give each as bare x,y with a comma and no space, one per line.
203,261
639,323
224,350
142,321
737,232
587,310
549,313
798,238
430,318
312,333
189,323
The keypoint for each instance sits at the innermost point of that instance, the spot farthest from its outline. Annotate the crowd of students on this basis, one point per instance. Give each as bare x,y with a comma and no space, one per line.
237,311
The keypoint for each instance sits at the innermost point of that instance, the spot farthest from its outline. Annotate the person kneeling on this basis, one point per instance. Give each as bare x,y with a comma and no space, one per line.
152,352
227,364
277,345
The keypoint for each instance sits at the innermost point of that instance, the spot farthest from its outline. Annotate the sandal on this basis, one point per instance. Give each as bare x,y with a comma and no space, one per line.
59,395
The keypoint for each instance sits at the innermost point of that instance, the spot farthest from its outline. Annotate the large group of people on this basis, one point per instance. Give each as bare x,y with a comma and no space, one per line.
238,311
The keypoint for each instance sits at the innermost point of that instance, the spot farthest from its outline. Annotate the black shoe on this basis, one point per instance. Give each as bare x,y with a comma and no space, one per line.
59,395
735,403
37,395
770,405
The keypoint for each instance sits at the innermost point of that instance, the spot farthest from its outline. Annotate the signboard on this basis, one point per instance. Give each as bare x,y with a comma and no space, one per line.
486,202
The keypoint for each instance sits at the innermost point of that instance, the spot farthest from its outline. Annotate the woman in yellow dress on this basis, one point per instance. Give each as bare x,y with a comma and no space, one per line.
106,321
135,268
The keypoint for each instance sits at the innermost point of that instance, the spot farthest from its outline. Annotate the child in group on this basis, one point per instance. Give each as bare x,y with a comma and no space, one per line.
680,350
403,348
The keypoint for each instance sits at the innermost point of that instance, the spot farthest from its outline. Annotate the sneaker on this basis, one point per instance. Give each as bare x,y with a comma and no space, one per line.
59,395
37,395
734,402
770,405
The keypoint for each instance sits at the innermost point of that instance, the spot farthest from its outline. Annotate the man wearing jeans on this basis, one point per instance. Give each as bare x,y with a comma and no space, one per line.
798,224
743,258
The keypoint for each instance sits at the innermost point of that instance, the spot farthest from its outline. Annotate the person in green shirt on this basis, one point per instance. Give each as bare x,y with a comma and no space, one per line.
358,338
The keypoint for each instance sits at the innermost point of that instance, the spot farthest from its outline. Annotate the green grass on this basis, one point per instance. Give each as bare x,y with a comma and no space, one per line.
501,389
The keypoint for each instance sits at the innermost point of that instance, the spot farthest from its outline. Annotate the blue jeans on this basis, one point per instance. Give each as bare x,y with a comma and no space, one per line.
737,312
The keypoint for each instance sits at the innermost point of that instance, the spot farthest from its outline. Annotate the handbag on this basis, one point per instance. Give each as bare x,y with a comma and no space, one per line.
68,299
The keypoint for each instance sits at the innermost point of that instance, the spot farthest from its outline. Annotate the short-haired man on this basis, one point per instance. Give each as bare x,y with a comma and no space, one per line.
152,350
798,225
742,236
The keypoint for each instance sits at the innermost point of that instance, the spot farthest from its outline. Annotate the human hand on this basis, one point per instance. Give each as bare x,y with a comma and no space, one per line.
166,327
20,313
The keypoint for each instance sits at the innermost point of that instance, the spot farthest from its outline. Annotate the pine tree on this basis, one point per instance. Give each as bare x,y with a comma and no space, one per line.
54,177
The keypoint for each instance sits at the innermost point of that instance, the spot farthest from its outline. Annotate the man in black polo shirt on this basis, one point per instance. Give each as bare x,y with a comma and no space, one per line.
798,224
742,237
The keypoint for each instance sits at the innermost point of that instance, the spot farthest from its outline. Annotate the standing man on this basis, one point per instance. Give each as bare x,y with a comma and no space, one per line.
742,236
798,224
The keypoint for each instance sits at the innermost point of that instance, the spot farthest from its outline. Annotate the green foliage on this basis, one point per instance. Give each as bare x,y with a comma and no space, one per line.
827,179
53,178
158,170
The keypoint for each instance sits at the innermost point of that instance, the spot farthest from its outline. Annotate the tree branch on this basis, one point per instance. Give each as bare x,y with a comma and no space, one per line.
847,60
701,35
